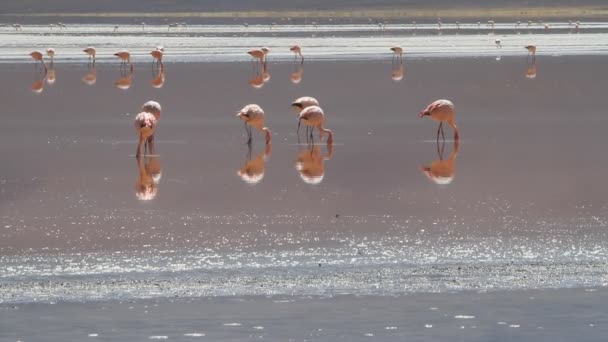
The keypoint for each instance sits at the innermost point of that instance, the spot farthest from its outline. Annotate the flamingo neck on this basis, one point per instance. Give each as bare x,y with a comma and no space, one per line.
330,139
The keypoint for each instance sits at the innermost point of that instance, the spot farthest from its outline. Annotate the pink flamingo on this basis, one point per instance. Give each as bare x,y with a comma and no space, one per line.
259,54
303,102
51,53
90,51
253,116
297,51
157,55
145,124
37,56
125,57
397,51
314,117
441,110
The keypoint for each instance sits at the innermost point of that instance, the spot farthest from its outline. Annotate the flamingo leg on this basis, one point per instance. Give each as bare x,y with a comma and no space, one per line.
141,141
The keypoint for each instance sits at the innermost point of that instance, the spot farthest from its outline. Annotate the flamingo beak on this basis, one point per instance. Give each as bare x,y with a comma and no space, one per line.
239,114
421,114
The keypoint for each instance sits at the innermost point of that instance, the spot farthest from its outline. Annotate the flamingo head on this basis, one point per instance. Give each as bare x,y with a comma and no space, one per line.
423,113
265,50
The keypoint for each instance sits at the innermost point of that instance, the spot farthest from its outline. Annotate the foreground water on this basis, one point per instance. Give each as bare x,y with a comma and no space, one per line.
524,207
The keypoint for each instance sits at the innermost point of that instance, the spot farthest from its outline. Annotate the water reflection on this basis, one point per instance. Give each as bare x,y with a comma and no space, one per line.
441,171
531,68
296,76
90,77
149,173
252,171
158,75
39,79
124,82
397,71
51,76
310,163
259,76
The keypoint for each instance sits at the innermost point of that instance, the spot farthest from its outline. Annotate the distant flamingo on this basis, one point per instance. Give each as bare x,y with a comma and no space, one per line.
17,27
253,116
125,57
397,52
531,50
297,51
157,56
51,53
314,117
37,56
90,51
259,54
145,124
441,110
498,43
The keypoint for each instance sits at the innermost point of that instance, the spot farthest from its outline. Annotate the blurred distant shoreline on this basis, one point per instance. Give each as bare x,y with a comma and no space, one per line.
396,13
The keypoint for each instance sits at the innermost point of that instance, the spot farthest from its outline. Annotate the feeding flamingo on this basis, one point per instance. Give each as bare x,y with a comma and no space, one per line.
531,49
259,54
125,57
314,117
51,53
145,124
297,51
157,56
397,51
90,51
441,110
37,56
253,116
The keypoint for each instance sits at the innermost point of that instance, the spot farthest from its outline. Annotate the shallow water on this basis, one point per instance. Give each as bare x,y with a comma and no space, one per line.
524,208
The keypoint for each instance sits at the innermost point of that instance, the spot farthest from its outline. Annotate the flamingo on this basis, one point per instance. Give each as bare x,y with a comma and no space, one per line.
51,53
155,109
157,55
397,51
303,102
297,51
253,116
441,110
531,50
145,124
259,54
17,27
115,28
125,57
37,56
90,51
314,117
498,43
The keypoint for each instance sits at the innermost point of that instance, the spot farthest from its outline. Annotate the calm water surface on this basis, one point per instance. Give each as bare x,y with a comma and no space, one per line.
526,182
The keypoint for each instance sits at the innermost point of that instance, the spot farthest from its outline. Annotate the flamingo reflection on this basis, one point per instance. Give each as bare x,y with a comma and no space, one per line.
252,171
51,76
441,171
397,71
260,77
159,77
531,70
124,82
38,84
296,76
90,77
310,163
149,173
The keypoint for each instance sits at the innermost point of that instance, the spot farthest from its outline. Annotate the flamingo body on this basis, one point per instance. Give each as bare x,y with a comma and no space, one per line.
440,111
253,116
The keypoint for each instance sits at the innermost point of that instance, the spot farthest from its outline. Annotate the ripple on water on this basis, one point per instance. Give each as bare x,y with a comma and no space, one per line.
194,334
159,337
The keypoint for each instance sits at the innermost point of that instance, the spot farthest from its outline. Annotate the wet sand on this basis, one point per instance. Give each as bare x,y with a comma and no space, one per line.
525,204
